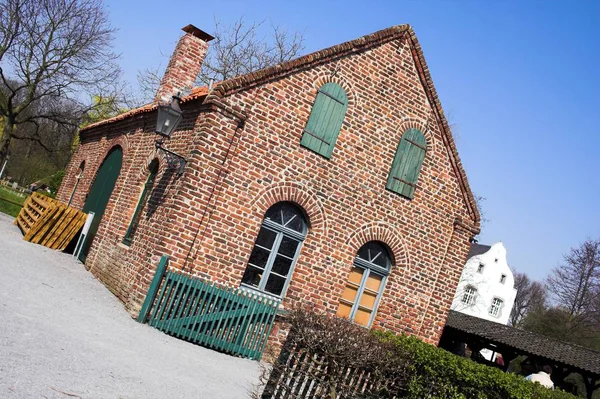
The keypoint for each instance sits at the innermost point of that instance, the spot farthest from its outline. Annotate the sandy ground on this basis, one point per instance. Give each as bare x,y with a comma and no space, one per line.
64,335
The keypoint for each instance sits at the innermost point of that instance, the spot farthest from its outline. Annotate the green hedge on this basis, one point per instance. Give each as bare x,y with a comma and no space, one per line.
437,373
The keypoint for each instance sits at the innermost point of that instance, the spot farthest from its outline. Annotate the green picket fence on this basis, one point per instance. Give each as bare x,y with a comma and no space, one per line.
231,320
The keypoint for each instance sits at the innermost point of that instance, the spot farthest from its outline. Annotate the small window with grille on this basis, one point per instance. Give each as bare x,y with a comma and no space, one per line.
469,295
480,268
503,278
496,307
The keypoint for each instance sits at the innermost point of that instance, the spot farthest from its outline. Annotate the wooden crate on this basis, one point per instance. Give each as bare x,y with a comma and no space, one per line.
49,222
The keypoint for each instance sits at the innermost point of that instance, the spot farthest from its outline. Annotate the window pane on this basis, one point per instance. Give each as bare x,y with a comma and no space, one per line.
374,282
252,276
266,238
259,257
288,247
289,213
362,317
356,275
281,265
274,214
376,253
380,258
275,284
349,293
368,299
363,253
344,310
296,224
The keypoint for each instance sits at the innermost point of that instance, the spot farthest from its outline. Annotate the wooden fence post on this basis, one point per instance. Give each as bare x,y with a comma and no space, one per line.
279,367
153,290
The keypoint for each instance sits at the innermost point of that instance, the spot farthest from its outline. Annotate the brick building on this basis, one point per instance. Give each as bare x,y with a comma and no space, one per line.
331,179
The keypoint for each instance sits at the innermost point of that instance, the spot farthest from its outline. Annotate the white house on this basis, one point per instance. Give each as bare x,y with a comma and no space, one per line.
486,287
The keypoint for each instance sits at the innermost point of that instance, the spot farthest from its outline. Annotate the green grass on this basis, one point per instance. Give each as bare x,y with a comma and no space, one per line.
7,197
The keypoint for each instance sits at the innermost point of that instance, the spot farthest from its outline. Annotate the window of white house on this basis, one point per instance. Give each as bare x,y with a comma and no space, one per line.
469,295
276,249
480,268
503,278
496,306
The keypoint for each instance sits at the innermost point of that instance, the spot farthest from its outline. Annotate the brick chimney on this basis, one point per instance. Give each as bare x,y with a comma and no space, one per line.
184,64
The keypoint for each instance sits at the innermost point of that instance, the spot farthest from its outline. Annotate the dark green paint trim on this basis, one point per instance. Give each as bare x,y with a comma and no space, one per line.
151,295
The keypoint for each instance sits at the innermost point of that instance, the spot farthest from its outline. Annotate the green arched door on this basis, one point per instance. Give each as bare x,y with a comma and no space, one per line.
99,194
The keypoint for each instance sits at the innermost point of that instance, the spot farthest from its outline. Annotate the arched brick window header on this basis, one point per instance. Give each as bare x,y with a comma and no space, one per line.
324,78
384,233
295,193
421,125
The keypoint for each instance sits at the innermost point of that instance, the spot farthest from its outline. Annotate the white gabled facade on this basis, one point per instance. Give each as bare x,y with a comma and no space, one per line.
486,287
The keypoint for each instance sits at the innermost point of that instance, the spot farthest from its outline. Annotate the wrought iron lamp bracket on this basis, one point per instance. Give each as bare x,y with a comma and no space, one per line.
173,158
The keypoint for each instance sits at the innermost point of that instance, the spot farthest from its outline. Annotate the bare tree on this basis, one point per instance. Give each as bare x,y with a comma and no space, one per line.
148,82
238,49
479,201
575,285
42,146
531,295
52,52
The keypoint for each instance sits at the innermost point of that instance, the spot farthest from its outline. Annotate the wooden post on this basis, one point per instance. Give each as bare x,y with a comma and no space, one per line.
153,290
279,367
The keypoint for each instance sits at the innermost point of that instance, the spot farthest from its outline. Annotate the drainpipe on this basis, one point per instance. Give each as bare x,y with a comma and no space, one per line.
3,167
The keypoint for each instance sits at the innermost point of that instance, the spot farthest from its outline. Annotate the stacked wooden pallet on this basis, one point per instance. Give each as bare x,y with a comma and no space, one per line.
46,221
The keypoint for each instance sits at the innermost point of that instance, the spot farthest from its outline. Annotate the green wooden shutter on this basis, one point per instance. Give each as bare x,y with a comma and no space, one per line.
407,163
135,220
325,121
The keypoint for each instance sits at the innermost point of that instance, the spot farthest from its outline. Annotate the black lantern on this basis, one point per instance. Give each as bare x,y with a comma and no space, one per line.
169,117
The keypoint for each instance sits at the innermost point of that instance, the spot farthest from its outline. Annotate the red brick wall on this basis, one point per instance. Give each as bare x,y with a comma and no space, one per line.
210,216
114,263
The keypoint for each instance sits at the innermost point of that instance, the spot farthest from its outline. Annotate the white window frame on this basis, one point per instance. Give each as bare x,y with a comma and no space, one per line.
496,307
469,295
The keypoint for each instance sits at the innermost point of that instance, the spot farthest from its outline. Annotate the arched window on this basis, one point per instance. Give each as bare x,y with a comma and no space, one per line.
407,163
325,121
496,307
365,284
276,249
469,295
135,220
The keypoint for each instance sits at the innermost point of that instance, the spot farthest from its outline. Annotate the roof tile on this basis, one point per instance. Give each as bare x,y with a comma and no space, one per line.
528,342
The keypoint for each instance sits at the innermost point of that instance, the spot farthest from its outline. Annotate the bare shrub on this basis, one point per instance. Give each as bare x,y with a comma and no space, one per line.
328,357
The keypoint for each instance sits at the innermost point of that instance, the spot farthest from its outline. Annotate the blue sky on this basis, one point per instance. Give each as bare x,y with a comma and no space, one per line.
519,81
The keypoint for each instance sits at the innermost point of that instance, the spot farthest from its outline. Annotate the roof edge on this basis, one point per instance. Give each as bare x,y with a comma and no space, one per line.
254,78
197,93
450,144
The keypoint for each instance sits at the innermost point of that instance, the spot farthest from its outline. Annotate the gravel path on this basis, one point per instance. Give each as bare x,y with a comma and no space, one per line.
64,335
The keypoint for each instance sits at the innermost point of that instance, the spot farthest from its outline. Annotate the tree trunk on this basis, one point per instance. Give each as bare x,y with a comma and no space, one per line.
9,125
